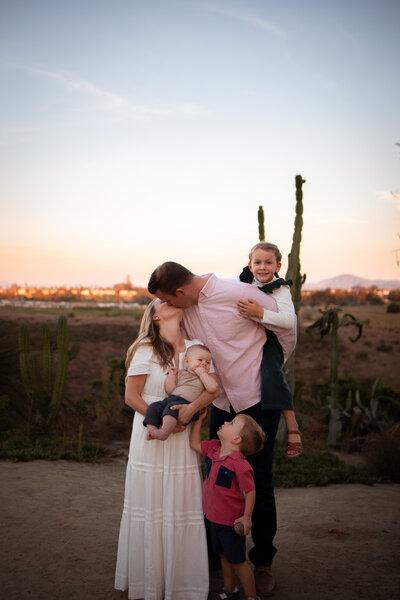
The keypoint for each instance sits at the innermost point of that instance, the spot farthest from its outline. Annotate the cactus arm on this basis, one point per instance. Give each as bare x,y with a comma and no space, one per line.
47,359
23,342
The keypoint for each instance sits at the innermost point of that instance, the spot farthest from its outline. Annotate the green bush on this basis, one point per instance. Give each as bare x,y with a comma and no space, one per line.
384,456
393,307
23,448
316,468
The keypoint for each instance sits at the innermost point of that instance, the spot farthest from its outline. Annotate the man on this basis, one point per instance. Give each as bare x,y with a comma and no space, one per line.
211,314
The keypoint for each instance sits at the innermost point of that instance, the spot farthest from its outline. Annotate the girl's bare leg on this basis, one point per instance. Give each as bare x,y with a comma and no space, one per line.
294,445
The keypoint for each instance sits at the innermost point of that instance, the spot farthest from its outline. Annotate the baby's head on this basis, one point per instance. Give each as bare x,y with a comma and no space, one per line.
265,260
253,437
196,356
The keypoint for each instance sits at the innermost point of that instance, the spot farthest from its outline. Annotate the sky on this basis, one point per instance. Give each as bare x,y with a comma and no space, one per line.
134,132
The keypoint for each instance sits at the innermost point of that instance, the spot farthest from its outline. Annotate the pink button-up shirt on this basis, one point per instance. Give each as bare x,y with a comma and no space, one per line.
235,342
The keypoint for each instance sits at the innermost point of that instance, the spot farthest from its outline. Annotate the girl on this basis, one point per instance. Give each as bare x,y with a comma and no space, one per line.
262,270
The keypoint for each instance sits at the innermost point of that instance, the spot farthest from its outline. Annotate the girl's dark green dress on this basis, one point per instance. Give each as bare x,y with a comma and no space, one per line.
275,392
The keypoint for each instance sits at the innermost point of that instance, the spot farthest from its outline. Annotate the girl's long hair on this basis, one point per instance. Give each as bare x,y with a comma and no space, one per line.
149,334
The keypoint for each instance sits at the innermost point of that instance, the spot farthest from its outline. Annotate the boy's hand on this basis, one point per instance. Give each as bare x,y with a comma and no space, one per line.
173,370
246,522
202,415
251,308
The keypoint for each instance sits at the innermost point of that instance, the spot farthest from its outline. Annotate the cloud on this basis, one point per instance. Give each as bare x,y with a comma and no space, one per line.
388,196
245,17
109,101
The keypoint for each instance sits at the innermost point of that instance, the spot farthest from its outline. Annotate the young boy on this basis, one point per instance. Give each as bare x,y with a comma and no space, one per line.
182,386
265,261
229,496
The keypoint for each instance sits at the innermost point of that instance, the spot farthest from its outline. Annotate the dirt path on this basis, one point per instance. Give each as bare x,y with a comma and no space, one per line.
60,523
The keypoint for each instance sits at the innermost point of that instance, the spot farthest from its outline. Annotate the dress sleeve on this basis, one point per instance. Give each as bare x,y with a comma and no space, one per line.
286,317
140,364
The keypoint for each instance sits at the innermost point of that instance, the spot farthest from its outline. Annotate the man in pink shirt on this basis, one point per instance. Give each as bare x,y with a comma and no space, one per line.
236,342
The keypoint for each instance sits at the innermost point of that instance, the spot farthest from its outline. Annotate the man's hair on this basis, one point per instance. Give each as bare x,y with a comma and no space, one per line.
193,346
253,437
168,277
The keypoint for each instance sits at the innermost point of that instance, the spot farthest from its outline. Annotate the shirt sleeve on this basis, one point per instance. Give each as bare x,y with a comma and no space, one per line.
140,364
286,317
207,446
245,477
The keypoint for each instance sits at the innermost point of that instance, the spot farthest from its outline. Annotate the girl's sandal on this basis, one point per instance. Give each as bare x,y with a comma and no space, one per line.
294,448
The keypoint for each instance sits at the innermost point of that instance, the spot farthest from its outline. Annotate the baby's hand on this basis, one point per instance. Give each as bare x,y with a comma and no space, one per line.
173,370
200,370
251,308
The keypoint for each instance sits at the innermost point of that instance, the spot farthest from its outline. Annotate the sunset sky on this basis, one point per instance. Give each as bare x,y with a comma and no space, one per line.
133,132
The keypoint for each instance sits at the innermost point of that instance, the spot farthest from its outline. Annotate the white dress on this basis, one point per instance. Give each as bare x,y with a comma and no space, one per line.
162,548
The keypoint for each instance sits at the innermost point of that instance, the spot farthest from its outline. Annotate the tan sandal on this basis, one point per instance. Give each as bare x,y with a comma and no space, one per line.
294,448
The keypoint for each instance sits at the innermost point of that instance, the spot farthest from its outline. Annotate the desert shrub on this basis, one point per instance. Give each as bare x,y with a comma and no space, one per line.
383,347
19,447
393,307
316,468
384,456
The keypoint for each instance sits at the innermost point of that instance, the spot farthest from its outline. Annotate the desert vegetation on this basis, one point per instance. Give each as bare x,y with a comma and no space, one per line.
93,421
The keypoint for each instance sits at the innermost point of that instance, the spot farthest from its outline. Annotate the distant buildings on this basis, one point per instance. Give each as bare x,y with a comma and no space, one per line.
120,292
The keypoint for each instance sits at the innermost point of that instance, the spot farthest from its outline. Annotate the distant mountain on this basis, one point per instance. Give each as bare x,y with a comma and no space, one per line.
345,282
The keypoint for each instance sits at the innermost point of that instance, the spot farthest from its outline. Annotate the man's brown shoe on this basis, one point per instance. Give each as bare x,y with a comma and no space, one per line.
265,581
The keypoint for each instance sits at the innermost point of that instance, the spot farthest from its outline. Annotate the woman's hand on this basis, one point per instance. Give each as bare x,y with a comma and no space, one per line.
185,411
251,308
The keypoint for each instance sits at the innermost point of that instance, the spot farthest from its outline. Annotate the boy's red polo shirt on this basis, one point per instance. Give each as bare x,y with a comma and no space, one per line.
228,478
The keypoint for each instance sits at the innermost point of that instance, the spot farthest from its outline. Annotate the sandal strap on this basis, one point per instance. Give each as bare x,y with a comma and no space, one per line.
294,431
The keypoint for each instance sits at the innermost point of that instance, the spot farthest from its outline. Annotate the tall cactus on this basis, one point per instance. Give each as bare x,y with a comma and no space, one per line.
330,322
261,228
293,270
44,388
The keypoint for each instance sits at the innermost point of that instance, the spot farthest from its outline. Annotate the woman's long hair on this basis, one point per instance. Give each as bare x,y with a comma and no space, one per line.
149,333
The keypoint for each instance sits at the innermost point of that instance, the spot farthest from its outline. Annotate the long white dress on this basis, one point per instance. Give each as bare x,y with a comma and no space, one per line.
162,548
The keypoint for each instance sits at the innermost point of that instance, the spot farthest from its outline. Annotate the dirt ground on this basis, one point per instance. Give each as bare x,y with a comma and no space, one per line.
60,523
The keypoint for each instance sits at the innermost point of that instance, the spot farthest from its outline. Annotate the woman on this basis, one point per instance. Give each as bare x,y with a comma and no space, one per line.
162,549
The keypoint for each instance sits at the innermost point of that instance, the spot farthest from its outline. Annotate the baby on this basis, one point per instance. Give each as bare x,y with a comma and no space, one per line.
182,386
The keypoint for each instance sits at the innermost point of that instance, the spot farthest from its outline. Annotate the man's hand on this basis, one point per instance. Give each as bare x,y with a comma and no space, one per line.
251,308
185,411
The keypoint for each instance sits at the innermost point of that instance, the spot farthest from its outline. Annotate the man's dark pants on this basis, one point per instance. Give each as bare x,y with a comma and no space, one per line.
264,514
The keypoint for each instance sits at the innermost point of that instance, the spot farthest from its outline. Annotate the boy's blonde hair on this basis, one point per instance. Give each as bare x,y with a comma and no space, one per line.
267,246
253,437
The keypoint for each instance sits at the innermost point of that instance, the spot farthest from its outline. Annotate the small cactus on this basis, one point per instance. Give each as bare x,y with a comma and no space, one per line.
44,388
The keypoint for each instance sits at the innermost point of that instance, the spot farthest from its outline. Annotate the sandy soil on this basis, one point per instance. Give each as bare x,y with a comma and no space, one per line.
60,523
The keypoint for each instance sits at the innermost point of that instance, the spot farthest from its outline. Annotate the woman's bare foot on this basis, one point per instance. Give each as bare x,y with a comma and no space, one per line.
294,445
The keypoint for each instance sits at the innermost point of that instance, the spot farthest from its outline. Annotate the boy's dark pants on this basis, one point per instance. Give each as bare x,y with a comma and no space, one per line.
264,514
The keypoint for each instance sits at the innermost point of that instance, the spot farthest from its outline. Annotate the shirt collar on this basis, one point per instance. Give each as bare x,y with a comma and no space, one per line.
206,290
